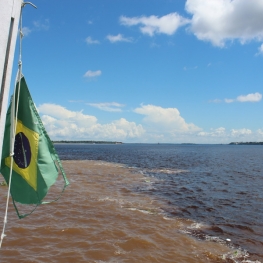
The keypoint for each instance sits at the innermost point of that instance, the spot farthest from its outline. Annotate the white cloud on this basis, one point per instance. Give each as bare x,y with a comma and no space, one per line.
165,119
91,74
221,135
216,21
229,100
219,132
63,124
118,38
61,113
129,129
151,25
260,133
219,21
252,97
240,132
91,41
108,106
160,125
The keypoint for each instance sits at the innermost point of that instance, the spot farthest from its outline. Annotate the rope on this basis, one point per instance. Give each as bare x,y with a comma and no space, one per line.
14,112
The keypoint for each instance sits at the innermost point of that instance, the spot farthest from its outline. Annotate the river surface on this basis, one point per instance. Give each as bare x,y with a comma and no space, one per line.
146,203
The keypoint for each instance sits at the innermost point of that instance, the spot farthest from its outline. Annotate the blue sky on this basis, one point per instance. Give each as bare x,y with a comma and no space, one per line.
171,71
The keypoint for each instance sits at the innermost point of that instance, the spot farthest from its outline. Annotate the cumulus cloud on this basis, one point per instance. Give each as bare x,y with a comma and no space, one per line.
129,129
166,119
221,135
219,21
63,124
218,132
108,106
260,132
240,132
216,21
159,125
118,38
61,113
252,97
152,25
91,41
91,74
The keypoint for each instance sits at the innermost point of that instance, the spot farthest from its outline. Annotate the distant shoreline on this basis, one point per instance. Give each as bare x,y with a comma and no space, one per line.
246,143
89,142
117,142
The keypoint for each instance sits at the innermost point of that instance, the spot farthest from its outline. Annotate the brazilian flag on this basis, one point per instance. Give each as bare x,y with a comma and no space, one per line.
35,164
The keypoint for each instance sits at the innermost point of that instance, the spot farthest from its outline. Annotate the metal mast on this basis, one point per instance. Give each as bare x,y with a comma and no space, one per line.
10,14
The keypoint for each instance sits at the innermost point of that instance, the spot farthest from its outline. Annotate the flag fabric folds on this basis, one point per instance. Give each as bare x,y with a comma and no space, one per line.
35,164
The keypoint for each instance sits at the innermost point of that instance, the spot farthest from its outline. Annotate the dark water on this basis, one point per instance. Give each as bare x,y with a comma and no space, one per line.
220,187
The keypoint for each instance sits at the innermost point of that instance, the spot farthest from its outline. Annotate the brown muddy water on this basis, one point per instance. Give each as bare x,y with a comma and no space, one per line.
102,218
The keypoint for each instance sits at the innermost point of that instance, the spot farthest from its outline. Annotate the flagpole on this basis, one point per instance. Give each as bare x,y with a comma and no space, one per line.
10,14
